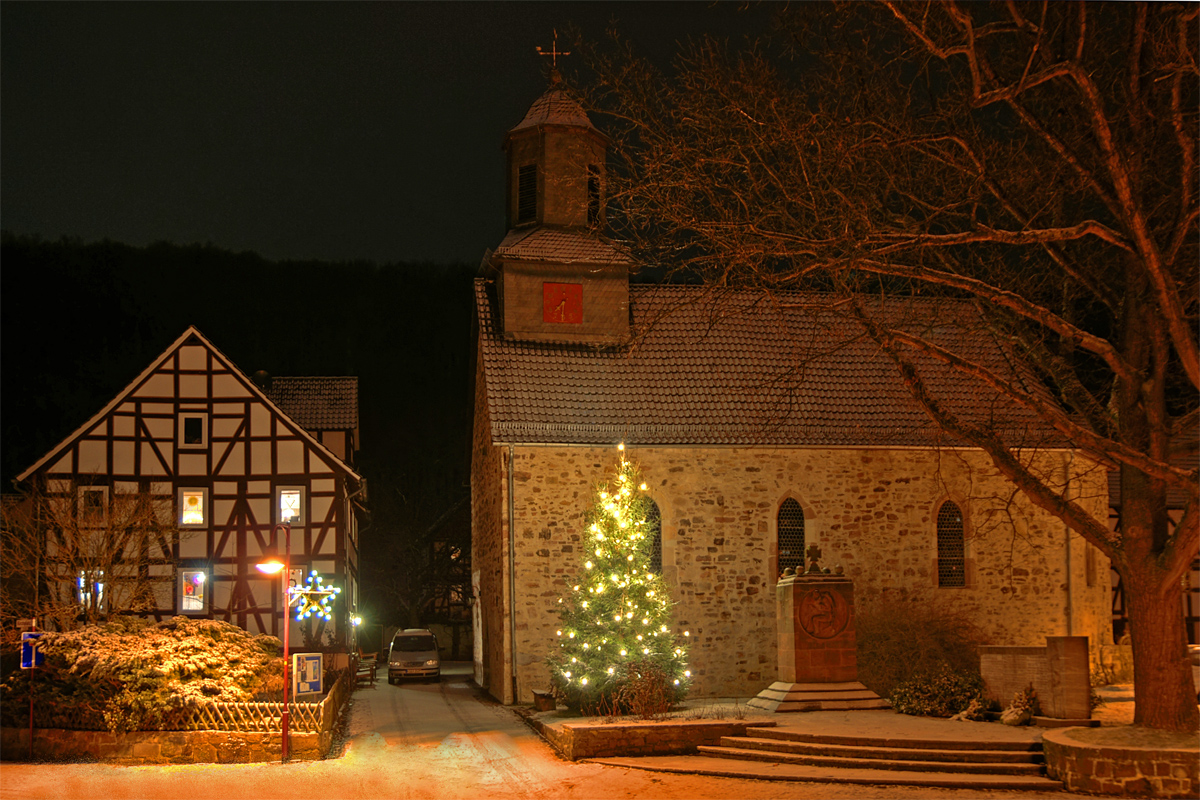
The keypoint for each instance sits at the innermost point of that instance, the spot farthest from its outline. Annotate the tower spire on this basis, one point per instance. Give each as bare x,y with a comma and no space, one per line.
553,53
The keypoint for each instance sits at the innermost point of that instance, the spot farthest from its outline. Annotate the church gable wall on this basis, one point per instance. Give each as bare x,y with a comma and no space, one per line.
604,305
873,512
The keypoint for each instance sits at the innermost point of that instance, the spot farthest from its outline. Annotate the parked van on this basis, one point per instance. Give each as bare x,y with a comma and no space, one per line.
414,654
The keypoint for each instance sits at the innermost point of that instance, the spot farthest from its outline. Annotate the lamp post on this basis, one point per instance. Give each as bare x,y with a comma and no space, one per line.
270,566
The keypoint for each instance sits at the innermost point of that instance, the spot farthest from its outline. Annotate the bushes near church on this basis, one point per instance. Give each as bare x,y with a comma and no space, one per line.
921,656
133,674
618,651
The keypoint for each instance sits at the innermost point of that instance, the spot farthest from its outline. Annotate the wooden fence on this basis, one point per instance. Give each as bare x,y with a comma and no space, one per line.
245,717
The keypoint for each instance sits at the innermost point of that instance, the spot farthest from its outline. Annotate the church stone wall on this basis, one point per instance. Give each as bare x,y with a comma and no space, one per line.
489,531
872,511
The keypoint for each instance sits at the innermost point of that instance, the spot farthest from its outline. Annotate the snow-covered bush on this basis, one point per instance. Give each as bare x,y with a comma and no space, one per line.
133,674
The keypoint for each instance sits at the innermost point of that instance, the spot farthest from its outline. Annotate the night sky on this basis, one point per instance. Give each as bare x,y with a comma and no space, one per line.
329,131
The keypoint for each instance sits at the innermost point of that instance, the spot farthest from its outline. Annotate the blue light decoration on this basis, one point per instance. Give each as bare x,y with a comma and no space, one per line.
315,597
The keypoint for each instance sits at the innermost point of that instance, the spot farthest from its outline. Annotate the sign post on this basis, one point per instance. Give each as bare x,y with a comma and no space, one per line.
31,658
308,669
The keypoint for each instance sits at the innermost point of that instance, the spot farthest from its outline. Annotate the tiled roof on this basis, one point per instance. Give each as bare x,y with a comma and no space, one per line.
1185,459
743,370
317,404
555,107
559,246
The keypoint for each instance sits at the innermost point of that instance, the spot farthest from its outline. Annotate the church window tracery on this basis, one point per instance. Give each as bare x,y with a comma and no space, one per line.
789,526
654,520
951,560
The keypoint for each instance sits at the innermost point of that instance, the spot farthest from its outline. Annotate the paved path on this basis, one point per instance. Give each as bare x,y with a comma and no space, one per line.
426,741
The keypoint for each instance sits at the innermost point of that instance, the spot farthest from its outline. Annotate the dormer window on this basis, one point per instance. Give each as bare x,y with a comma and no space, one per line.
527,193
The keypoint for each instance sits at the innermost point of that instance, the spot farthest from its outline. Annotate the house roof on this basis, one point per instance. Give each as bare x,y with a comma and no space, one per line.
318,404
559,246
738,369
191,335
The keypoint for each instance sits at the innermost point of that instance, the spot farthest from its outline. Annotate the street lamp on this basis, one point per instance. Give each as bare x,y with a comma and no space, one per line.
270,566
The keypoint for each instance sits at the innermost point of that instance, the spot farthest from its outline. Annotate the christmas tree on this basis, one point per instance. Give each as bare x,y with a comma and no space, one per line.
617,639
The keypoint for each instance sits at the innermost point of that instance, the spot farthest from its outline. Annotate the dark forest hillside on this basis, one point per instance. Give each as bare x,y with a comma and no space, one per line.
78,321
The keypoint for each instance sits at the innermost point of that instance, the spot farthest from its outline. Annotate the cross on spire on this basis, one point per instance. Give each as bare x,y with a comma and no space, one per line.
553,52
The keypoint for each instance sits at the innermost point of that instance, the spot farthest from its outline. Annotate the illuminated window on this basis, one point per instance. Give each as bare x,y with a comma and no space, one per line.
193,506
90,589
193,584
951,561
789,525
193,430
291,504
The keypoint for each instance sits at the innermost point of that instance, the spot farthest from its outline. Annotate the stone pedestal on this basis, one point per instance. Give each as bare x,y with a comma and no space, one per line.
818,663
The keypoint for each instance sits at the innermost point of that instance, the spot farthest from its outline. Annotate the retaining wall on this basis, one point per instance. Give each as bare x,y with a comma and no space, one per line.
1096,768
160,747
582,740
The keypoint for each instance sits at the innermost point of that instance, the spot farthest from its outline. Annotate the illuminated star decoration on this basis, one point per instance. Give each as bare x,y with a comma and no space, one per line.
314,598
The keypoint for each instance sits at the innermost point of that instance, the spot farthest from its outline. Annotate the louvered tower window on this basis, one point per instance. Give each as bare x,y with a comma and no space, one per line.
527,193
790,528
951,550
593,194
654,520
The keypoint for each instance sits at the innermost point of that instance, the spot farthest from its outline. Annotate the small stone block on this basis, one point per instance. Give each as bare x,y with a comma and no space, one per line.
544,701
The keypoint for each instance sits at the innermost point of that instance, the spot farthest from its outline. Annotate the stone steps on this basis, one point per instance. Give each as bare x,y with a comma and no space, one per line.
883,753
894,761
749,751
776,771
897,743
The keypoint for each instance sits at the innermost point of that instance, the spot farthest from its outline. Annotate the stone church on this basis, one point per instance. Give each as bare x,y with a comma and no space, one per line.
762,425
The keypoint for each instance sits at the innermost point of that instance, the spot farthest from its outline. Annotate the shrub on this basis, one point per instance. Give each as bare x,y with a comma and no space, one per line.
941,693
133,674
900,639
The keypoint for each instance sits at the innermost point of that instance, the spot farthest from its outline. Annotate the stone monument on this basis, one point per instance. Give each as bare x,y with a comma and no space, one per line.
818,662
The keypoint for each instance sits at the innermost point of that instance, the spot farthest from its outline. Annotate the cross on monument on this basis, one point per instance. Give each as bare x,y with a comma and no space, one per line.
553,52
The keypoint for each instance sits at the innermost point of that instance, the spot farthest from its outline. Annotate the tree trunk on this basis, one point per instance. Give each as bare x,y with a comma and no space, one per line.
1164,693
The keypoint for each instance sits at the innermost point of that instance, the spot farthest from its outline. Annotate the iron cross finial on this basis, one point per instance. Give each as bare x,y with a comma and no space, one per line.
554,52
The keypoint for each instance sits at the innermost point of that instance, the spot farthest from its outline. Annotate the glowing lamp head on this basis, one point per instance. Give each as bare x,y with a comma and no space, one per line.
271,566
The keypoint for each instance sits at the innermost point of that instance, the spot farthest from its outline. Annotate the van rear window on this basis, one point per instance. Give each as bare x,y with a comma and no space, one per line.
413,644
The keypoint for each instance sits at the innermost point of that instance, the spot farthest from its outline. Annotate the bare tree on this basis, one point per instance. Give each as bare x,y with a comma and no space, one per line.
75,553
1038,161
418,569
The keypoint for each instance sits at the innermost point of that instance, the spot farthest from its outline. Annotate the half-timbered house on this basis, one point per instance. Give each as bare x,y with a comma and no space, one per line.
203,442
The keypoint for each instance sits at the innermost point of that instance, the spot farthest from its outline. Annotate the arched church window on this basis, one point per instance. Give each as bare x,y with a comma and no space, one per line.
790,532
951,559
654,521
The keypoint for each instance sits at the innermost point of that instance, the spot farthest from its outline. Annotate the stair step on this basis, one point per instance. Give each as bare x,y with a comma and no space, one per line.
775,771
981,756
873,764
911,744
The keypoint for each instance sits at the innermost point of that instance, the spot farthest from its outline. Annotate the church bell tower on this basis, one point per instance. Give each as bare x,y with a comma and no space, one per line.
560,280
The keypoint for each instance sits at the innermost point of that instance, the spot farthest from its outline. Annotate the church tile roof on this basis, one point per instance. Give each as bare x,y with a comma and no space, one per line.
736,370
555,107
560,246
317,404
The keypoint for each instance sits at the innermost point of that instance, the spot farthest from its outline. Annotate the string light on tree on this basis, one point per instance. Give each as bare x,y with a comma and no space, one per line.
619,616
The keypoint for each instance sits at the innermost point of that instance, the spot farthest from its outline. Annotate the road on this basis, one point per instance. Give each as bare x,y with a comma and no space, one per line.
417,741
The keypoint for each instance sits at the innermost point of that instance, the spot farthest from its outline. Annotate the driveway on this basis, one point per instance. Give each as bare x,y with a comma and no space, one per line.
423,740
